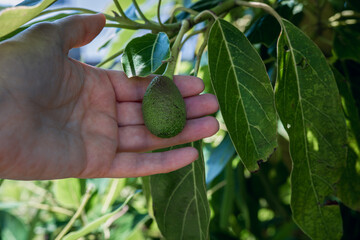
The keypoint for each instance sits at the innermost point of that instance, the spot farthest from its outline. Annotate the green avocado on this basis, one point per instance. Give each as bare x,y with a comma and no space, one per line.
163,108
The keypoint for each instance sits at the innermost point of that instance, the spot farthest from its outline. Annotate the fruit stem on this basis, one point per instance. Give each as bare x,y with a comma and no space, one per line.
176,49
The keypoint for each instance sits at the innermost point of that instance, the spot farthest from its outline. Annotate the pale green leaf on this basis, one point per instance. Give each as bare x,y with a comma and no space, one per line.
112,193
96,223
244,92
180,203
145,54
68,192
308,104
13,17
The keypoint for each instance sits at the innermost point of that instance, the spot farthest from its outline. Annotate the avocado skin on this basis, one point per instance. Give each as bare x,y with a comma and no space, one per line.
163,108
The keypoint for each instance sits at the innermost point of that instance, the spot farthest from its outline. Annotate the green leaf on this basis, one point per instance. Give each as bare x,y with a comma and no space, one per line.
145,54
218,159
244,92
180,203
13,17
114,189
96,223
68,192
11,227
349,185
308,105
346,42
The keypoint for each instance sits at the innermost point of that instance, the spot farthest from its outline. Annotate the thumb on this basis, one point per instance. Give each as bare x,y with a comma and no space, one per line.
79,30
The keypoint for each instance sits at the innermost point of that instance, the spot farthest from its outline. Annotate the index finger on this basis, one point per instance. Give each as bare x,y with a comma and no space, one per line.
133,89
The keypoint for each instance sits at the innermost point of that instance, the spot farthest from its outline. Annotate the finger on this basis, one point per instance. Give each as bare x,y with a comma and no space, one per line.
130,113
133,89
142,164
79,30
139,139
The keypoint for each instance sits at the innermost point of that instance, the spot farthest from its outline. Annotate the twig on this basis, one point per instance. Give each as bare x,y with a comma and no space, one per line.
158,13
84,201
201,51
51,208
184,9
121,11
191,35
140,12
176,49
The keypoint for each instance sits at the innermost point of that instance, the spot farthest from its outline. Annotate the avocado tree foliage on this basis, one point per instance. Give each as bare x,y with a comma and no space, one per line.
285,74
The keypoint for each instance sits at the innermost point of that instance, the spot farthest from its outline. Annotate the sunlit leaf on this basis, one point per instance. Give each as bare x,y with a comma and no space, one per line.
308,104
96,223
180,204
68,192
13,17
244,92
145,54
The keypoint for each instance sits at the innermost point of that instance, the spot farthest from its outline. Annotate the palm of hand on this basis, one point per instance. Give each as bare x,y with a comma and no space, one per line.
81,121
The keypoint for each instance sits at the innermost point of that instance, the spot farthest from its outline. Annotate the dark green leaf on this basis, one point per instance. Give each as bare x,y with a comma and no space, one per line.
228,197
218,159
349,185
12,18
308,104
12,227
244,92
145,54
346,42
180,203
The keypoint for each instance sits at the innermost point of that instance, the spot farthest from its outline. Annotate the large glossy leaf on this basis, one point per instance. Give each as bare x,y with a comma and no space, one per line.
13,17
308,104
244,92
145,54
180,204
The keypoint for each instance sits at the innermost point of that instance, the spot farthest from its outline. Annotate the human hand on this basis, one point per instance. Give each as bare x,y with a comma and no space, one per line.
62,118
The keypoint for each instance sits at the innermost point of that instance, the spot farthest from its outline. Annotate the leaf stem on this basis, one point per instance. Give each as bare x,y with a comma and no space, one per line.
140,12
263,6
190,35
204,14
201,50
176,49
82,10
158,13
184,9
50,208
78,212
121,11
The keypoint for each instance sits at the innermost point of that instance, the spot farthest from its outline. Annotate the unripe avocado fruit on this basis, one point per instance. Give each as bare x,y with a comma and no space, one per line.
163,108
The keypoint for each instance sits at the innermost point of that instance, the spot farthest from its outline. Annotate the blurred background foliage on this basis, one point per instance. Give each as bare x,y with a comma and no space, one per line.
243,205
